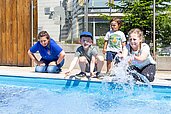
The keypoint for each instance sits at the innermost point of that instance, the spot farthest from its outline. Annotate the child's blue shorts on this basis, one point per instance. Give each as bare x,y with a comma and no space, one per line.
110,55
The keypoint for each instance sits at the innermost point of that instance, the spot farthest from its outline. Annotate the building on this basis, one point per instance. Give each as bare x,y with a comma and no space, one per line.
51,17
88,12
66,19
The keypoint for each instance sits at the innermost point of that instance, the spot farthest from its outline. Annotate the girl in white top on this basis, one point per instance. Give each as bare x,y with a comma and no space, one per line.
114,41
141,60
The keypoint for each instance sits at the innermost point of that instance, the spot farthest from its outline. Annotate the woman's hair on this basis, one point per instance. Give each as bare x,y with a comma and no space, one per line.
138,32
119,21
42,34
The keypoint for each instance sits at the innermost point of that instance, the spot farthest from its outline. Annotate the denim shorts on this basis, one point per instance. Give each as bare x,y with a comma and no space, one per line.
110,55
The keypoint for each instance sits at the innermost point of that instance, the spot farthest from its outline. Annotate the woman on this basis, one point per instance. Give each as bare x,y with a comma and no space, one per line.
141,59
52,54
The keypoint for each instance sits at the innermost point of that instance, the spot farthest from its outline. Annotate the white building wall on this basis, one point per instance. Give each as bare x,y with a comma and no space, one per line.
44,23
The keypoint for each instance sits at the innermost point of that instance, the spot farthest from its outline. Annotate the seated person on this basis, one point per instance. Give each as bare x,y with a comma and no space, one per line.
87,56
52,54
141,60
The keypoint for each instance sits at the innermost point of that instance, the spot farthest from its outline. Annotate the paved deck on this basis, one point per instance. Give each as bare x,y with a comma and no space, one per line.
161,78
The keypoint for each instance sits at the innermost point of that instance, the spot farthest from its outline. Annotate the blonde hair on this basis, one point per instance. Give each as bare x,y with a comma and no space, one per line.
138,32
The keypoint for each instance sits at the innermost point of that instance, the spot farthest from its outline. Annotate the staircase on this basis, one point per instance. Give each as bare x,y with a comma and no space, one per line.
65,30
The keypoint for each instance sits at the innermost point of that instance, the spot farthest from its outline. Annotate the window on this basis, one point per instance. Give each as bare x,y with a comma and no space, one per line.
47,11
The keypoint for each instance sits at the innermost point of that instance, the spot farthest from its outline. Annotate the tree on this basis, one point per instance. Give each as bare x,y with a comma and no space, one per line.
163,27
139,14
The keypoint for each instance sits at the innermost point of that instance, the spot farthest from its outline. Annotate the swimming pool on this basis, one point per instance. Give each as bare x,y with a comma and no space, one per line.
19,95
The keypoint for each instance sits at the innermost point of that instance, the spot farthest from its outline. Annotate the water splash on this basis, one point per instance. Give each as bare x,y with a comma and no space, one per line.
122,76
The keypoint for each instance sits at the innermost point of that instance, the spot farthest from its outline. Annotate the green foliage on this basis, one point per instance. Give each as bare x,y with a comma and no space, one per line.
163,25
105,17
139,14
100,42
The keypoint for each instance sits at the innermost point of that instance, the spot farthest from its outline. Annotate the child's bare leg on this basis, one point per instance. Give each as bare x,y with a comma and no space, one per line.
100,62
108,66
82,63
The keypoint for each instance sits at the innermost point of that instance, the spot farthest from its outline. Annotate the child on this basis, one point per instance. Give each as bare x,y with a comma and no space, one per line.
52,54
87,56
114,41
141,60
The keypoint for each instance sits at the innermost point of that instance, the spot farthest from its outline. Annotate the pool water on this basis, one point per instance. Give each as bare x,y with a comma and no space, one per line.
20,95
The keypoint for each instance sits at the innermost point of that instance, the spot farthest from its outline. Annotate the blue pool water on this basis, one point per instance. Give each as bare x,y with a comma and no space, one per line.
20,95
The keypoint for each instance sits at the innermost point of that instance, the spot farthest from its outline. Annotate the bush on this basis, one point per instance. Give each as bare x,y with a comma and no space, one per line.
100,42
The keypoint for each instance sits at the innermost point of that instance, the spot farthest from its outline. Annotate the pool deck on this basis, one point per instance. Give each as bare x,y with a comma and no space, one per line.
161,78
